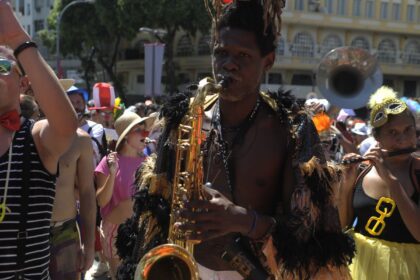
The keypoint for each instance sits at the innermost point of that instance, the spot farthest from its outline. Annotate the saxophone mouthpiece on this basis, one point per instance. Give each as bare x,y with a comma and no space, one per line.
224,81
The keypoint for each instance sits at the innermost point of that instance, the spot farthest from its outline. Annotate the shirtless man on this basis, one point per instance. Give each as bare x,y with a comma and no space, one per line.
28,150
258,192
71,252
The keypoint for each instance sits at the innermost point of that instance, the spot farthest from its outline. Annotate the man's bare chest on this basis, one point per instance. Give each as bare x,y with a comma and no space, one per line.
249,170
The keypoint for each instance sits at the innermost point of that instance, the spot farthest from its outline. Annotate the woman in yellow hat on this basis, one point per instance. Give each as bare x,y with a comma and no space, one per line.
384,197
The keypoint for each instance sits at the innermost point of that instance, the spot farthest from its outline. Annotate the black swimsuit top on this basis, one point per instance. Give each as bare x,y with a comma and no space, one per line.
364,208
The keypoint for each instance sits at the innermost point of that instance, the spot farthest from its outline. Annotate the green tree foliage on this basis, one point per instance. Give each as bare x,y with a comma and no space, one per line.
172,16
94,32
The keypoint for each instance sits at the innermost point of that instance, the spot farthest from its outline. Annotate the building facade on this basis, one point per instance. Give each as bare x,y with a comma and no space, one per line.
388,29
33,14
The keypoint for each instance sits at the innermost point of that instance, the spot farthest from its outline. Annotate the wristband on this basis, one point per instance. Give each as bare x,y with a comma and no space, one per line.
269,231
24,46
254,223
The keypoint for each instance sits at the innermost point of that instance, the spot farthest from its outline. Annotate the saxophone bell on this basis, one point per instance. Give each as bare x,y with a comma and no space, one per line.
175,259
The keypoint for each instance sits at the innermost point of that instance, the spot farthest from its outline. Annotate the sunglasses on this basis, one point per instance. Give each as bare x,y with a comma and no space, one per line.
141,131
6,67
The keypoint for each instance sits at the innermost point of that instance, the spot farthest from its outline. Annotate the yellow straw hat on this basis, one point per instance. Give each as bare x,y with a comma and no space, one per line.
66,83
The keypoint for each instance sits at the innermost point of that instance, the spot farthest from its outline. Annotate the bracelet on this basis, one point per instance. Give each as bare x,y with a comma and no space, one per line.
24,46
254,223
269,231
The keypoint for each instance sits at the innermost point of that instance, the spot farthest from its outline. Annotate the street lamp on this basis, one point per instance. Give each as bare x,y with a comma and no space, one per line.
157,33
60,15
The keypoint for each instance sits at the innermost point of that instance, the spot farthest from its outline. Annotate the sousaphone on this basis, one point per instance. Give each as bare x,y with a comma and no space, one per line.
347,76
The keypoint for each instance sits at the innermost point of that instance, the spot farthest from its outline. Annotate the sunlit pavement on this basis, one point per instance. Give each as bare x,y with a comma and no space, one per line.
93,268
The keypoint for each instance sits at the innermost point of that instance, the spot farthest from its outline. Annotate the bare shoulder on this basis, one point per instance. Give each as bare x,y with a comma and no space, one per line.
82,134
84,139
416,162
37,131
38,127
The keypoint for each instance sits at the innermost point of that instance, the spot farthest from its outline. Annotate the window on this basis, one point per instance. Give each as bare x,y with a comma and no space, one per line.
302,80
21,8
388,82
203,75
412,53
360,42
38,25
387,52
329,6
140,79
410,88
396,11
184,47
204,45
410,13
280,47
275,78
370,5
357,7
330,42
341,7
418,14
384,10
299,5
303,45
28,9
184,78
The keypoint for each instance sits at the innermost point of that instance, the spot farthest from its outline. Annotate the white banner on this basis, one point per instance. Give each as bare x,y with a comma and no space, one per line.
153,61
157,81
148,69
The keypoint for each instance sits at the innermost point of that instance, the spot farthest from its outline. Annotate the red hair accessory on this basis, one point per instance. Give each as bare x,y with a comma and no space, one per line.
226,2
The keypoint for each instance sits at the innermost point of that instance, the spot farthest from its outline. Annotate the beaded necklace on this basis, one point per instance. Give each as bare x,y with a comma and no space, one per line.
226,151
3,205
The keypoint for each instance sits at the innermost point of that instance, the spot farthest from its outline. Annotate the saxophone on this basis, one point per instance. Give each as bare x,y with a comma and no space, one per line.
175,259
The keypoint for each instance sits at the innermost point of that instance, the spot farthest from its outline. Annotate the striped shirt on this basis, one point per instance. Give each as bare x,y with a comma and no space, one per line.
39,209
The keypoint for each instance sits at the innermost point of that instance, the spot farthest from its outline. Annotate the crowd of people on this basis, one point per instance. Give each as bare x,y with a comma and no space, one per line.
291,189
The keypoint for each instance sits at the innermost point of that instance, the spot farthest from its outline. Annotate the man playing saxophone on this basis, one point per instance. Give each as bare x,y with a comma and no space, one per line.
268,210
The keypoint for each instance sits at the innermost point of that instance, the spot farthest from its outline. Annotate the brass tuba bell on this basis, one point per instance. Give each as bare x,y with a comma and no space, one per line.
347,76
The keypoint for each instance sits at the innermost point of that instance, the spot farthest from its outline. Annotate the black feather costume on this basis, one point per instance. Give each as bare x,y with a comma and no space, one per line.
307,239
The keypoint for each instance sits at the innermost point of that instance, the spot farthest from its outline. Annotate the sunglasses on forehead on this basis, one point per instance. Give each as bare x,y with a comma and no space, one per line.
6,67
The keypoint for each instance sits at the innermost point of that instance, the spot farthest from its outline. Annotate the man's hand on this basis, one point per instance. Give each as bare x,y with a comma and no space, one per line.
86,259
11,32
217,216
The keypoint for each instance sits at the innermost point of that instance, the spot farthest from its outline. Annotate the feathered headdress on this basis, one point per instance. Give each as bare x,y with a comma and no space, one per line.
272,11
382,103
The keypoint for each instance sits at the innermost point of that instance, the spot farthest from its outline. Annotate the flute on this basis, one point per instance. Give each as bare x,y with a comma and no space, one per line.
388,154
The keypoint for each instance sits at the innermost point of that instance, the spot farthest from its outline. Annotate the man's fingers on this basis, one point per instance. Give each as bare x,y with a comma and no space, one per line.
203,205
204,235
196,226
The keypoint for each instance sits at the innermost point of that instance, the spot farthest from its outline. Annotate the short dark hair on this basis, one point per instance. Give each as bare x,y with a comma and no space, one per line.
249,16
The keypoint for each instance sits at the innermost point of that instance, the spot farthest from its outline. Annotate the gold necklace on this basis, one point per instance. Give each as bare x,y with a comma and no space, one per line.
3,205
